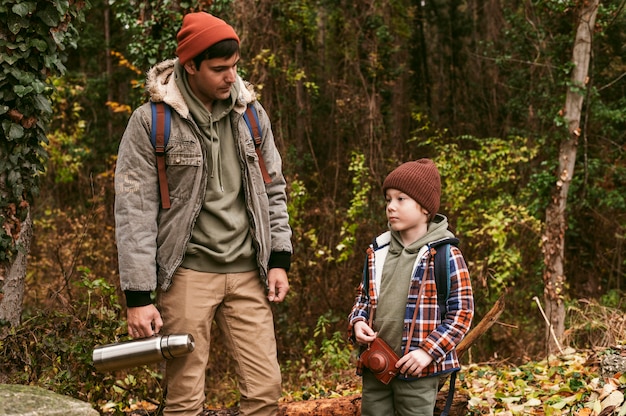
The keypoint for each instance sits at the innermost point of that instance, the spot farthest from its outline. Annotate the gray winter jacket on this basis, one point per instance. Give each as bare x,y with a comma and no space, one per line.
151,241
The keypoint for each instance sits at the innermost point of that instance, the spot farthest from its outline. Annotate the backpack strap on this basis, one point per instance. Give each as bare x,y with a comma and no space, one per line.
252,120
159,136
442,272
451,388
442,279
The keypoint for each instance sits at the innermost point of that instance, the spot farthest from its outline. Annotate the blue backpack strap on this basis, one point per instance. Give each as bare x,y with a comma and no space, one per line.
446,409
252,120
442,279
167,111
442,272
159,136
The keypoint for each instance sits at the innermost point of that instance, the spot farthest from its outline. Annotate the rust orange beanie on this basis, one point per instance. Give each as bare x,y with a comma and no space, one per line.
418,179
199,32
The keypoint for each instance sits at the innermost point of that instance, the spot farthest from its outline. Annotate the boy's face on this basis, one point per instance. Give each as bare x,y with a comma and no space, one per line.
405,215
212,80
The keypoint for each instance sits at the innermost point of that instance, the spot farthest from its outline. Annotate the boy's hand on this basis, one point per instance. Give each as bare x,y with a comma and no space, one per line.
414,362
363,333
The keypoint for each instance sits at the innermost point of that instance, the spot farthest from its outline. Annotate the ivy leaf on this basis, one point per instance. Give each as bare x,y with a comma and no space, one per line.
11,59
15,23
39,44
42,104
49,17
22,90
15,132
24,9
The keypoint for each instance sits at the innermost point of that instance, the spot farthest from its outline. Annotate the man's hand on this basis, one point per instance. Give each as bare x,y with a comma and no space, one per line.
363,333
143,321
414,362
278,285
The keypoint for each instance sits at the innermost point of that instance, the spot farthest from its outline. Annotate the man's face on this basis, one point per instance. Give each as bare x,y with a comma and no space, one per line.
212,80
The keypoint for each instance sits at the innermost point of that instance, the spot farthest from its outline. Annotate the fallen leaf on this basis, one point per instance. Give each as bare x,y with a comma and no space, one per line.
615,398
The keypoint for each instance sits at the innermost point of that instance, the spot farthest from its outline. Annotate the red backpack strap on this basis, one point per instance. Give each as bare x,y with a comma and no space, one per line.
252,121
160,127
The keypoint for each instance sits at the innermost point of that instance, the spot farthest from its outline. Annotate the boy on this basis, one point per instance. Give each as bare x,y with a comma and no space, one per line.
400,276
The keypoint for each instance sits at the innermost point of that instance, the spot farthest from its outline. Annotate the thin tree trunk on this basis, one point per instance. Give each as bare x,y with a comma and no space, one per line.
13,285
556,222
109,64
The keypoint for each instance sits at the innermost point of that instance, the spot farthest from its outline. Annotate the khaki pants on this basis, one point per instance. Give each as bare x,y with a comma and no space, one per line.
239,305
400,398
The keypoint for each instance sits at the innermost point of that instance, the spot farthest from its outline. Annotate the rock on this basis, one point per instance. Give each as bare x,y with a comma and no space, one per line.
19,400
612,364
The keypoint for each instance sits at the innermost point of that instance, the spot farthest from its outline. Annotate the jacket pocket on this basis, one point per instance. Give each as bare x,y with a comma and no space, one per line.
183,160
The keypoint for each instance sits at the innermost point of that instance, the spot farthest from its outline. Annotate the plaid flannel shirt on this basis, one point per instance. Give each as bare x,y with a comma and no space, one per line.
438,338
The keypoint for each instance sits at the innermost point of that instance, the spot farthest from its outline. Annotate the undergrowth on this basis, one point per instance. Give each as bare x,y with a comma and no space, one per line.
53,350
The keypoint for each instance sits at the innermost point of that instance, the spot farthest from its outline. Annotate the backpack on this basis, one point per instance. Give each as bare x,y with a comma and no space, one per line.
160,135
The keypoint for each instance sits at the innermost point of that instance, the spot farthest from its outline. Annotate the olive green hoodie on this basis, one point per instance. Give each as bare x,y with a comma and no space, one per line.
398,270
220,240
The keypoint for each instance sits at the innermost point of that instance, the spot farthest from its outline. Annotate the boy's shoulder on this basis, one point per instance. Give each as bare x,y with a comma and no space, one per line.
453,241
382,240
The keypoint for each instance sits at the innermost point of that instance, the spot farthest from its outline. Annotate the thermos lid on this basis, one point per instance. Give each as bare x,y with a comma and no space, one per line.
176,345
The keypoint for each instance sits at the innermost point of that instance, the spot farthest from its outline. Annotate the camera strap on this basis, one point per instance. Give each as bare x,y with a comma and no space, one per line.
417,302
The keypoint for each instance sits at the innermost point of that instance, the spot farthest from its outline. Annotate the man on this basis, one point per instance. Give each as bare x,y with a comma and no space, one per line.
223,249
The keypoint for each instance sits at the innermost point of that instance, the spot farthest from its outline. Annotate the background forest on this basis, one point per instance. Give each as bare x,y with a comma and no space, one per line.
353,88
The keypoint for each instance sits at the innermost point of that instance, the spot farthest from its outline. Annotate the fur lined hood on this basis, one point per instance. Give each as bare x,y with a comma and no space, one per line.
161,86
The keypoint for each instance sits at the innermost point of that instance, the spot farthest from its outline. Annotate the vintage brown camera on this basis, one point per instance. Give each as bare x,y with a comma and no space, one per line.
381,360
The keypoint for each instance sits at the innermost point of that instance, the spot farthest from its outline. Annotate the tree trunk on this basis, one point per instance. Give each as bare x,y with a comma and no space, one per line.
12,287
556,223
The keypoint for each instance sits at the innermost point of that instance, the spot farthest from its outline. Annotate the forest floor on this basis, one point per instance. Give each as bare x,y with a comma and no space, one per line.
572,383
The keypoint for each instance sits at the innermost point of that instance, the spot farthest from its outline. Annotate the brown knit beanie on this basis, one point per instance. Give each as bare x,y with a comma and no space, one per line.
418,179
199,32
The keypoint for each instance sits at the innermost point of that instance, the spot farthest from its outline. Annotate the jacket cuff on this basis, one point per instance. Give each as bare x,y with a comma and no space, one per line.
280,260
137,298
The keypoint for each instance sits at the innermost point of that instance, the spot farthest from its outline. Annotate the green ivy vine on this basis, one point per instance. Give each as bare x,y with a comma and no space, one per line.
33,38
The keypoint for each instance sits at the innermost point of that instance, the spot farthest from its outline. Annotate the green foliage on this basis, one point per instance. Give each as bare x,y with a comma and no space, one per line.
54,350
65,147
324,364
297,19
151,27
76,306
357,209
485,191
337,83
34,37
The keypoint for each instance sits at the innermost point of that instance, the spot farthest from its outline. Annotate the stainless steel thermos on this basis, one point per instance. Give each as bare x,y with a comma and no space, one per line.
141,351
